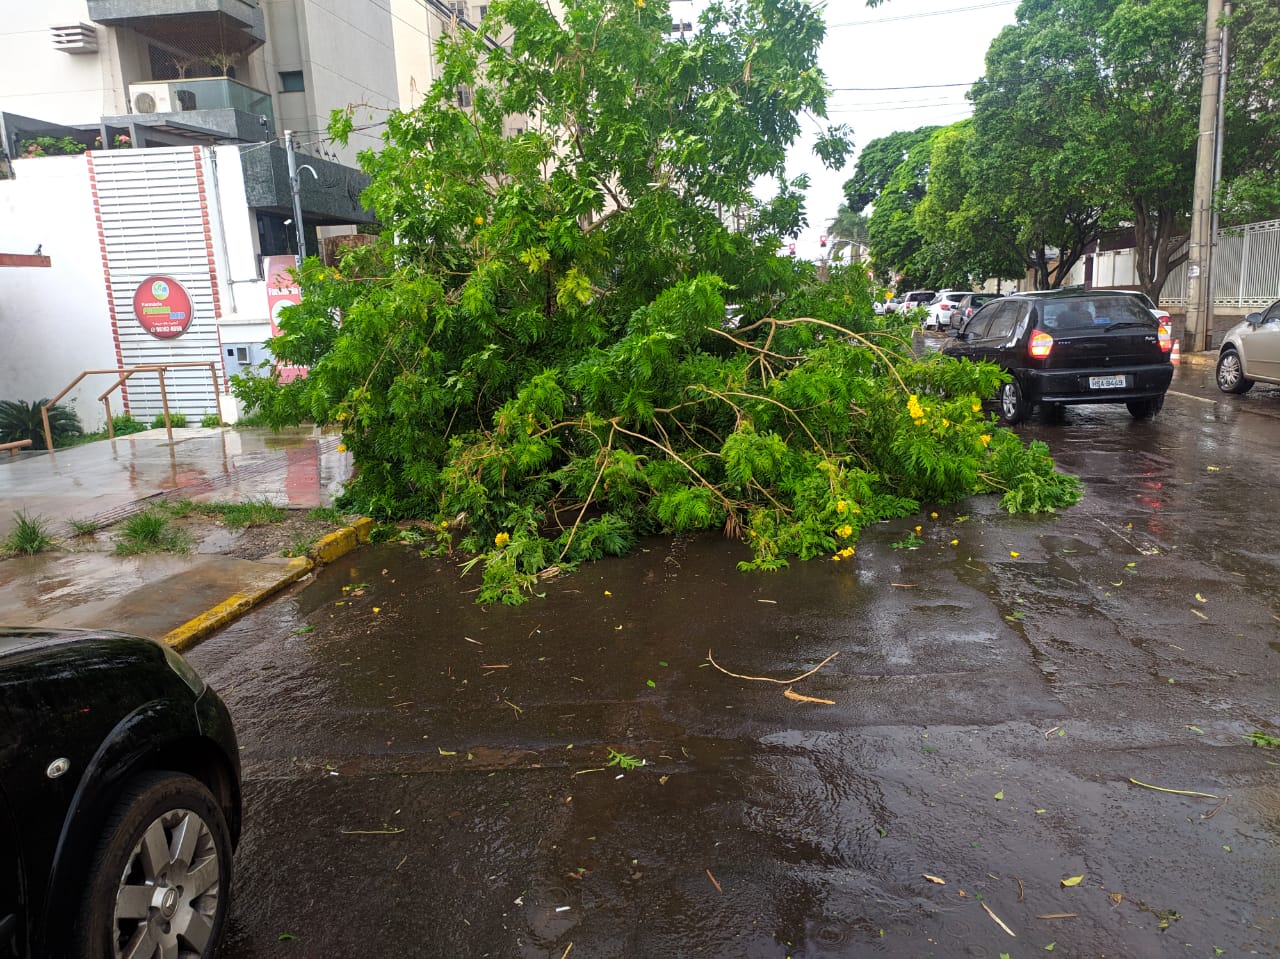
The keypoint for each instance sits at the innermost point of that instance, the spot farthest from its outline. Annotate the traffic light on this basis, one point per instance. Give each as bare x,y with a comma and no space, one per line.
822,241
793,249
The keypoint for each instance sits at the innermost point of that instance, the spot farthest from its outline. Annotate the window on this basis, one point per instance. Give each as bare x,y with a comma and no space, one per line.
464,97
1002,323
291,81
482,11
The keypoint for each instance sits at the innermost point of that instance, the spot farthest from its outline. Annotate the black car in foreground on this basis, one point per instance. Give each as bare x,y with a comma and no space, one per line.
119,799
1066,347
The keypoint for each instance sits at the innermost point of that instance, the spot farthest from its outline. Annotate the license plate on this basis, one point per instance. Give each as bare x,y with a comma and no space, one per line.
1106,382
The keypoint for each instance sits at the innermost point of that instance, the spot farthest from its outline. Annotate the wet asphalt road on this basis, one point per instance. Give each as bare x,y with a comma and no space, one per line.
423,776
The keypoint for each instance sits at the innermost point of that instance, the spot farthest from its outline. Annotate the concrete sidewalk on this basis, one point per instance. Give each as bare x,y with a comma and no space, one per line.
178,599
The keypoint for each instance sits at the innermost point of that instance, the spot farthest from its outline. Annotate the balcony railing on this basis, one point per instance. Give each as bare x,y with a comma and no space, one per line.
204,93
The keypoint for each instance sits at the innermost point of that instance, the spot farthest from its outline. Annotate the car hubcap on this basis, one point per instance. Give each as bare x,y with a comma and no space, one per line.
1009,400
1229,371
168,894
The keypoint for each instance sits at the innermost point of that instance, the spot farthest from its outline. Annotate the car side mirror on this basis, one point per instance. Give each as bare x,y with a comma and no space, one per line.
1254,319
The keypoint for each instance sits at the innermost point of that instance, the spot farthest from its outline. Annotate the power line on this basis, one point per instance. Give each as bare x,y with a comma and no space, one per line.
918,16
922,86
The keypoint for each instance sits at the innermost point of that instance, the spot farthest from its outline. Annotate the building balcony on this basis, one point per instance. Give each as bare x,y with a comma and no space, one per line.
234,26
204,110
201,93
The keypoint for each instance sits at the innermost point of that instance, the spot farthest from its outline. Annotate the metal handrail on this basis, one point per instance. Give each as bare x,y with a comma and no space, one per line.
122,375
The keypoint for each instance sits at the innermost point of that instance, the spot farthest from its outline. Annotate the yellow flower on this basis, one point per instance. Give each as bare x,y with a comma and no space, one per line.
977,407
501,540
946,422
640,4
377,609
914,408
986,439
933,516
919,528
444,524
1014,553
841,506
847,552
479,221
845,530
955,542
342,448
836,557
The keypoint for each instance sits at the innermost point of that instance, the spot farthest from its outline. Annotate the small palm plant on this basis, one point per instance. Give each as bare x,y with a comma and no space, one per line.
20,420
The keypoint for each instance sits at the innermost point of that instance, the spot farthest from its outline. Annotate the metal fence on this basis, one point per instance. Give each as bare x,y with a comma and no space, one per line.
1246,268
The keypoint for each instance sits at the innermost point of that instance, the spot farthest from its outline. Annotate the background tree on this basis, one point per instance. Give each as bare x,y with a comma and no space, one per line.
1251,153
535,354
878,162
846,229
1087,116
898,250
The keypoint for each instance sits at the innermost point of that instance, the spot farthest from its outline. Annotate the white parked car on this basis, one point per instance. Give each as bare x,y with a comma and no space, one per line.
940,308
1250,353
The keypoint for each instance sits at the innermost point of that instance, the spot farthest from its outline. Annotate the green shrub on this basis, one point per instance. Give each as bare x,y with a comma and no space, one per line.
176,420
150,532
124,424
20,420
30,535
211,421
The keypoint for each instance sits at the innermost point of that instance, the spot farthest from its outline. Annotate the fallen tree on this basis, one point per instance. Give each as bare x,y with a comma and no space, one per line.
536,355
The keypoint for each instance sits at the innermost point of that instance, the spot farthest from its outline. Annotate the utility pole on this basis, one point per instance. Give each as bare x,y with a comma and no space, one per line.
295,187
1200,247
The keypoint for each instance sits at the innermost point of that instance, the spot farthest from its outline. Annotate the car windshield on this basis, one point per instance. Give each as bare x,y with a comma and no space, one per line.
1078,314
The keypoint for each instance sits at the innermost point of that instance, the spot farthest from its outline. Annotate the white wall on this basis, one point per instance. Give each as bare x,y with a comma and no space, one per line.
415,30
37,80
53,322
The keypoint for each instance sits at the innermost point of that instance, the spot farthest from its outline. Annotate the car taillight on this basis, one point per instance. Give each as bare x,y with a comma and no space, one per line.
1166,338
1041,344
944,306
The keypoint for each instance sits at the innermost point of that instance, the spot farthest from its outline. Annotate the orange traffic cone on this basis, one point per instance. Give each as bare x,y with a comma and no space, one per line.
1176,356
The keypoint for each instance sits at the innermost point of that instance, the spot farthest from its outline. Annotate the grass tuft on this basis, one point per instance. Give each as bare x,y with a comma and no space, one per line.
30,535
150,532
83,527
242,515
301,546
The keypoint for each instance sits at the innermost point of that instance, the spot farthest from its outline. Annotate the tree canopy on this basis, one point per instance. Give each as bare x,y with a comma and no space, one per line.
535,355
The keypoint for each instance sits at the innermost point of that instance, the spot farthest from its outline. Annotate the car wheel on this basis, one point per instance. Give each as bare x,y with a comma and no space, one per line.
1145,409
1013,405
1231,378
161,877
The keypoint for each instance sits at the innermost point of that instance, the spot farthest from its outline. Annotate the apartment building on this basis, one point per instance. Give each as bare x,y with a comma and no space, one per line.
143,140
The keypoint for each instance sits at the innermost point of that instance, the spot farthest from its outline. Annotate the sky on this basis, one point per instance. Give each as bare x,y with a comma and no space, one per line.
899,44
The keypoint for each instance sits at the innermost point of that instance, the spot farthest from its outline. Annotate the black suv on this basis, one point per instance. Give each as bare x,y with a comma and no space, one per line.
119,799
1069,346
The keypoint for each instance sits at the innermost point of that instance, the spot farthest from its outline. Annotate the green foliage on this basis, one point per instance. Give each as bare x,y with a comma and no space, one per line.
20,420
124,424
83,527
1266,741
150,532
326,514
242,515
29,535
623,760
176,420
211,421
50,146
535,355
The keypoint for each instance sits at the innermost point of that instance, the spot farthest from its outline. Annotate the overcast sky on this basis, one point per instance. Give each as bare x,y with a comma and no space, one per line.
900,44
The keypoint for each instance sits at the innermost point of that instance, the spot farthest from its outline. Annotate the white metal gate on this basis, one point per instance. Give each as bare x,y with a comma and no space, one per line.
153,220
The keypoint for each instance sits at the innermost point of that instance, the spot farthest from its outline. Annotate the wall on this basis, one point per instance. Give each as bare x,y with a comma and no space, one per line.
43,82
347,55
53,322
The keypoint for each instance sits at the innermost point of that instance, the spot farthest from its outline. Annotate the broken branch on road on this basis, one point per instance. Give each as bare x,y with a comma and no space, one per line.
770,679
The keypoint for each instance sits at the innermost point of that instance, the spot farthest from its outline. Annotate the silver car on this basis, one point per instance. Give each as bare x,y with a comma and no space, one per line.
1251,352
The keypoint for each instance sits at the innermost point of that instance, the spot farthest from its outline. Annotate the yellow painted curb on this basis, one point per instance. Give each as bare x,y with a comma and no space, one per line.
339,543
194,630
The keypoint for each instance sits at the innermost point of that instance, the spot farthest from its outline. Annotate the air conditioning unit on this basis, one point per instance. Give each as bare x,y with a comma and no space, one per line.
151,98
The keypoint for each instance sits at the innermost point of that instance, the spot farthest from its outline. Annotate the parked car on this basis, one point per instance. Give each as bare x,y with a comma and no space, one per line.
917,298
969,304
893,305
941,307
1070,347
1250,352
119,799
